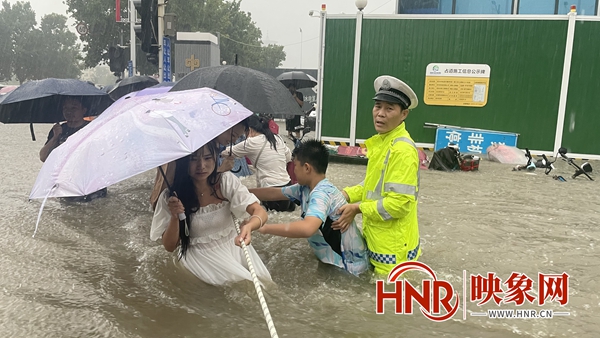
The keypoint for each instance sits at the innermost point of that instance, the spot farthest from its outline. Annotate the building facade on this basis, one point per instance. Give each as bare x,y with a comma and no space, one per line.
541,76
584,7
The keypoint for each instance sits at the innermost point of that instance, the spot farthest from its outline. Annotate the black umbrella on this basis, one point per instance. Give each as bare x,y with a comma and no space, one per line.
164,84
131,84
108,88
298,79
41,101
259,92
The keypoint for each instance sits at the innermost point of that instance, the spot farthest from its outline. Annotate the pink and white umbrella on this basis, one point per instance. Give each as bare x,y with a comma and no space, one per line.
135,135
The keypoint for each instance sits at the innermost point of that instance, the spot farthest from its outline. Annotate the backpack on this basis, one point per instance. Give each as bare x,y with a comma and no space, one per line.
446,159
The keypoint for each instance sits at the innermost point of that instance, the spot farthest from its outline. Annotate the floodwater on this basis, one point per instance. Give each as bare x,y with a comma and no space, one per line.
92,271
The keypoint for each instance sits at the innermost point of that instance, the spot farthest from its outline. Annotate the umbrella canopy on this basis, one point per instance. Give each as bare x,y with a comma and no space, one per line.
108,88
298,79
41,101
164,84
135,135
152,90
257,91
131,84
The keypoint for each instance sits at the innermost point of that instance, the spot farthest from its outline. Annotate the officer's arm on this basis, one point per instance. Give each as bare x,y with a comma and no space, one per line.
354,194
400,186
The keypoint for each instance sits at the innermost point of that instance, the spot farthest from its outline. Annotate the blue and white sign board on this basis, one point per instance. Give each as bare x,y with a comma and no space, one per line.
472,140
130,68
166,59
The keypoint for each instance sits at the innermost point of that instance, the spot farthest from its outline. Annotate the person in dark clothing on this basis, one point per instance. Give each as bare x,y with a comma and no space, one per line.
73,112
291,124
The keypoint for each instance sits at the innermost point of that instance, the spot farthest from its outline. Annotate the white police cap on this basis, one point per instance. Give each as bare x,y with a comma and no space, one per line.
390,89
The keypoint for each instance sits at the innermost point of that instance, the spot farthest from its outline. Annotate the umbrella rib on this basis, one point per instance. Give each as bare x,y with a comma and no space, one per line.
173,128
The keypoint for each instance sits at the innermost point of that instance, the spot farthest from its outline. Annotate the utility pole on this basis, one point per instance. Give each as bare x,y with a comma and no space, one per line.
161,34
132,44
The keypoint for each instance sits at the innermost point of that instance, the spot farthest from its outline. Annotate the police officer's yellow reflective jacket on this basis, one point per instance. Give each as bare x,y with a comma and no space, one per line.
388,197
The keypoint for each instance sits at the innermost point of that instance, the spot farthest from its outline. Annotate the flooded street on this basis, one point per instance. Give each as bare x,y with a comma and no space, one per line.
92,271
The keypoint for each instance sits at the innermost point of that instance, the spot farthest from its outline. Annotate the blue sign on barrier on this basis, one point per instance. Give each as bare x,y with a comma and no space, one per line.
166,59
472,140
130,68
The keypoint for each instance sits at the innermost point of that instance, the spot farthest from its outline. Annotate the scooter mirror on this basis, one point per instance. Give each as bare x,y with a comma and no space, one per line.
562,150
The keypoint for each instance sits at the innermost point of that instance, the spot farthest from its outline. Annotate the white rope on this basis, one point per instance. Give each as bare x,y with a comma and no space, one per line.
261,298
42,209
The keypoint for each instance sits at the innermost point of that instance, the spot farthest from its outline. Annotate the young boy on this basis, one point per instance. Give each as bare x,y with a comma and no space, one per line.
320,201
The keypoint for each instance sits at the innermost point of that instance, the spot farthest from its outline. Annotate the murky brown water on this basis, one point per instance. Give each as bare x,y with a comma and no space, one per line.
91,271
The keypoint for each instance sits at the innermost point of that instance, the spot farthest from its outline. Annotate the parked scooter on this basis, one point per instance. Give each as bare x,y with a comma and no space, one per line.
303,131
530,166
584,169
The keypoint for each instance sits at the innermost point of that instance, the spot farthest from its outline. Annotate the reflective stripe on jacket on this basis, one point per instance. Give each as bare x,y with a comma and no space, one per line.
388,197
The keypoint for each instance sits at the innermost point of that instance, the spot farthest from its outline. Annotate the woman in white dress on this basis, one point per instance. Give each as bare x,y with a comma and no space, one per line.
269,154
207,238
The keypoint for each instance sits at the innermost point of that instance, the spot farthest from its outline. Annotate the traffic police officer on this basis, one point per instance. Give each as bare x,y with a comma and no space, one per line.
387,198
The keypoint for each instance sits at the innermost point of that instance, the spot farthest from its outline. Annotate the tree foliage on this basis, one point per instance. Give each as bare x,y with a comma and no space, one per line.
239,34
60,47
28,52
99,75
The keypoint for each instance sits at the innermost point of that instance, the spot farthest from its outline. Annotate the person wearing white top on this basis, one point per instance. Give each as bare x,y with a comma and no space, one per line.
207,237
269,154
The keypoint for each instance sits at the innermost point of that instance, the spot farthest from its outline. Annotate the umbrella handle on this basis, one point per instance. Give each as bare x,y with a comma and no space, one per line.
231,151
173,193
32,132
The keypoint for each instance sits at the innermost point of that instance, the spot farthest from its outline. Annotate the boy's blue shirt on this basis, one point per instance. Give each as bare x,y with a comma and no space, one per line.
346,250
322,202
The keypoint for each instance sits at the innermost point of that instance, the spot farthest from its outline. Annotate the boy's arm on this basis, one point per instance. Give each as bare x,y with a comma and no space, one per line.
268,194
299,229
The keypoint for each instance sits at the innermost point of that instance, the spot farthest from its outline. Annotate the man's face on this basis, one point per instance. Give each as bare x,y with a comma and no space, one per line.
292,89
387,116
73,110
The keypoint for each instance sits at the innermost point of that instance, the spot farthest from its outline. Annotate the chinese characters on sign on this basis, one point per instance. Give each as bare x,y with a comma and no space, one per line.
456,84
472,140
166,59
437,300
518,288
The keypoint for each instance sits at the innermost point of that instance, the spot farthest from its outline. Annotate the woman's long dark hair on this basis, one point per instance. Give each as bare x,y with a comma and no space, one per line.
184,186
261,125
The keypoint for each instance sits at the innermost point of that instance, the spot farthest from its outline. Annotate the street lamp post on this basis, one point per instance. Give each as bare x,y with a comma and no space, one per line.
360,4
132,44
322,15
